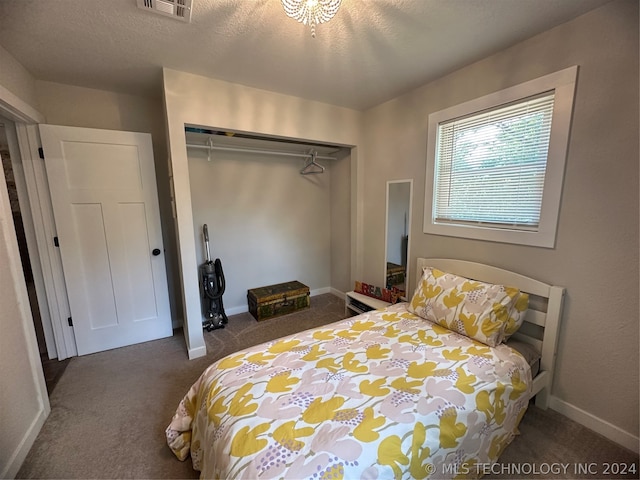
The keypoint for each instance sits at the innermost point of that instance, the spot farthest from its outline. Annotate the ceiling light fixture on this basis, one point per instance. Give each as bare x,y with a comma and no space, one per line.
311,12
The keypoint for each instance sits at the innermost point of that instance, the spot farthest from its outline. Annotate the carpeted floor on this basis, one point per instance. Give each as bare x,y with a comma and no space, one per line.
53,370
109,410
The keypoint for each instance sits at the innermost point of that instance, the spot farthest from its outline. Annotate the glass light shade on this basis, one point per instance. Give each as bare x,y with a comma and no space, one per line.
311,12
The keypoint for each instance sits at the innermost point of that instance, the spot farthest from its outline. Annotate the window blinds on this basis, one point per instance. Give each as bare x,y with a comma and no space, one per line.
490,165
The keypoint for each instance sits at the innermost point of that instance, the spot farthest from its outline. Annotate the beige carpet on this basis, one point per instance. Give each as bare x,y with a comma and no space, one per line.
109,410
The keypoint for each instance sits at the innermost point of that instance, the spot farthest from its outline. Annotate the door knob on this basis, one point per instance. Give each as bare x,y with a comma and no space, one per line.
156,252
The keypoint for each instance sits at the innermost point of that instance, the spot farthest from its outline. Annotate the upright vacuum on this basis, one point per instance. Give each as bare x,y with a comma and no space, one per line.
212,284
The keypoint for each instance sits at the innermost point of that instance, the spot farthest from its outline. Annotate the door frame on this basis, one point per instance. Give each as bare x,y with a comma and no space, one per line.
45,230
30,236
26,120
22,114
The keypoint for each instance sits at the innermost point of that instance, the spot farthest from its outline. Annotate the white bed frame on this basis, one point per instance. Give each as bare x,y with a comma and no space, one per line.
541,322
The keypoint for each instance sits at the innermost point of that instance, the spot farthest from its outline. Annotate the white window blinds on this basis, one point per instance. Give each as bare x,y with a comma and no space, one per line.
490,166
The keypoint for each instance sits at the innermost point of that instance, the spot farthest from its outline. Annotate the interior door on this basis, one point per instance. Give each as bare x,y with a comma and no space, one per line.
105,204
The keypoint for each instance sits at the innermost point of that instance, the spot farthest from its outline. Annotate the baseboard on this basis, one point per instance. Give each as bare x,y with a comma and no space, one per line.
16,460
319,291
604,428
338,293
197,352
236,310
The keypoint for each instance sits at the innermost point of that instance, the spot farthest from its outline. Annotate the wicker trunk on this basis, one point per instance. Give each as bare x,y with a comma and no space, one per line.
276,300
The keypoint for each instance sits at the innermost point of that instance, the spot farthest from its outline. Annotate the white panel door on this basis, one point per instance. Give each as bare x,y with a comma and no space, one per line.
105,204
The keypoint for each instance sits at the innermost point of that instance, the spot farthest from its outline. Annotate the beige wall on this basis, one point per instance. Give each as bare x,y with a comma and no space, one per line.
15,78
201,101
84,107
596,254
267,223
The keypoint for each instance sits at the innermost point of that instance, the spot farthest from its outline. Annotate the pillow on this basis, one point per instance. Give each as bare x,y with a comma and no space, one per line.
516,314
478,310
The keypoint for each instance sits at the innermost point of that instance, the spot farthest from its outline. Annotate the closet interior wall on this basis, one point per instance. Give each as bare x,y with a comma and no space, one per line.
268,223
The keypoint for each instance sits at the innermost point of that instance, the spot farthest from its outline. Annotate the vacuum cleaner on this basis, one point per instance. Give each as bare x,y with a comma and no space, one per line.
213,285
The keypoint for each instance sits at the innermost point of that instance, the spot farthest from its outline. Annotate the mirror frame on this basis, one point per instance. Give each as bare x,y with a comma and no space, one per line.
386,229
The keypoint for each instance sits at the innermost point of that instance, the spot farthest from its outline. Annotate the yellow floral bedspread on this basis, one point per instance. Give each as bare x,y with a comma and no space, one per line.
385,394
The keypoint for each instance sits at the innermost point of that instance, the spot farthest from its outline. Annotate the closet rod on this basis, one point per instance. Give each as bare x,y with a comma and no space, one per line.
256,150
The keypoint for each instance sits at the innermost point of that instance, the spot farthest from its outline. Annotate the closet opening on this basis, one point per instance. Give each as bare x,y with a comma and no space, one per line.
277,210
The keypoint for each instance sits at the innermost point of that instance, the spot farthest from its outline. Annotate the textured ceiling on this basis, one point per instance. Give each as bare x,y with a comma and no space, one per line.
372,51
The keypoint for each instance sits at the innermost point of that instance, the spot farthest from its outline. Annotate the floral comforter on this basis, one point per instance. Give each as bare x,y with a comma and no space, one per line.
385,394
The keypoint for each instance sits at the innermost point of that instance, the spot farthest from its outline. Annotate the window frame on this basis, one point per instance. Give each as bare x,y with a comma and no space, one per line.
563,84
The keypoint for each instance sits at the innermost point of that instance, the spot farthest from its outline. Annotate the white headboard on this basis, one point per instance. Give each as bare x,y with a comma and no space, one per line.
542,320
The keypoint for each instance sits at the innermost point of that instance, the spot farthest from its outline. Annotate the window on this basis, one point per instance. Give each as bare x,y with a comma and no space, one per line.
495,164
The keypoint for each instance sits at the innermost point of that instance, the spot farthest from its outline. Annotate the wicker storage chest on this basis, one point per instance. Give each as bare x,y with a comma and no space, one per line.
276,300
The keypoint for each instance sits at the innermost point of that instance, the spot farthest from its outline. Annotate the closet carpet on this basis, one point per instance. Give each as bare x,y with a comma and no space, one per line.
109,410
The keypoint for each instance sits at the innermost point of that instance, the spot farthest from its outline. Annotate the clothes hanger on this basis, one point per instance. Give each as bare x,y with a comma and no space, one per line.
312,167
210,143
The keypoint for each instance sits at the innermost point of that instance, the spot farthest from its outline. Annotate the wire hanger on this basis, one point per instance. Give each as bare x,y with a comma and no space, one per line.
210,144
312,167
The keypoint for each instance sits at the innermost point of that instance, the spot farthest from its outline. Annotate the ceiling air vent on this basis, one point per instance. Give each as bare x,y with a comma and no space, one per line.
178,9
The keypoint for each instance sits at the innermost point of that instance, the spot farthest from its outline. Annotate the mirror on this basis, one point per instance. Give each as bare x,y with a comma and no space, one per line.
398,223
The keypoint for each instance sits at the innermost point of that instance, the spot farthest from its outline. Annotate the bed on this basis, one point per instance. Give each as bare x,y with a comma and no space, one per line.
385,394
